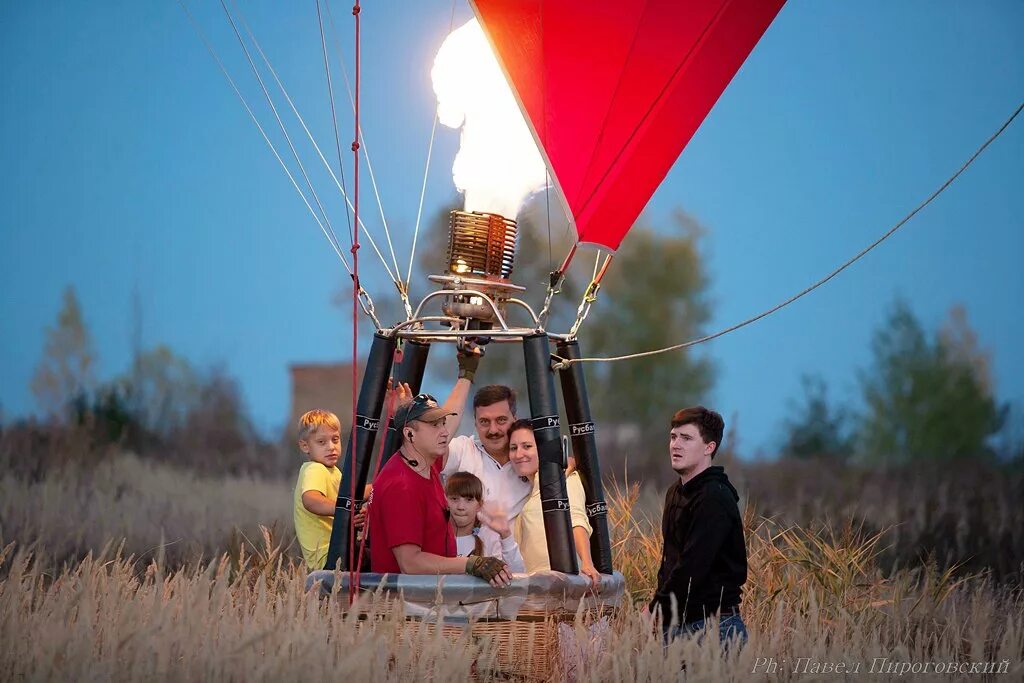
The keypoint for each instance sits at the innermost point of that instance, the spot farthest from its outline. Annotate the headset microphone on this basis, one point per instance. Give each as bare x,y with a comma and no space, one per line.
412,463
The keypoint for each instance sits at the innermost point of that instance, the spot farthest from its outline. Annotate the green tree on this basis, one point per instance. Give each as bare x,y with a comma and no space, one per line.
653,296
65,372
927,398
162,389
816,428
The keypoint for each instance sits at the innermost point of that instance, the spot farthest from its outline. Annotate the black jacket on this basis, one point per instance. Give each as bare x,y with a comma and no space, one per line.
704,561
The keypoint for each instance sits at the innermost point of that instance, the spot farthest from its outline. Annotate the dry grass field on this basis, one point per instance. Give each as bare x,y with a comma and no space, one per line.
89,592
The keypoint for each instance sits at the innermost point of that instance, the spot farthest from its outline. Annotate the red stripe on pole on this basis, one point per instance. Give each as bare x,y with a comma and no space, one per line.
353,576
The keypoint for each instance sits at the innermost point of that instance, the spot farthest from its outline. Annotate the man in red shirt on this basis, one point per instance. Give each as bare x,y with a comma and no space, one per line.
408,520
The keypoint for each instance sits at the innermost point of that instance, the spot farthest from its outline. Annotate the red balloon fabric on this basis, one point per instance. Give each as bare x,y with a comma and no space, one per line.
614,89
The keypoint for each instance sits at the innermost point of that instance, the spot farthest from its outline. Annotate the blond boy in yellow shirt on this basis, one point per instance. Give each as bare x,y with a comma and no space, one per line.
316,491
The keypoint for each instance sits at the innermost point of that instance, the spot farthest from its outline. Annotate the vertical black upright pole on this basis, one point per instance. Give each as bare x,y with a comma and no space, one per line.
410,370
368,406
554,499
584,448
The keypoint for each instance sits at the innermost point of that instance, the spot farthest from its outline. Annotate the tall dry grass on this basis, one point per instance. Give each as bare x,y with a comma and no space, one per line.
216,606
967,514
102,620
143,506
822,594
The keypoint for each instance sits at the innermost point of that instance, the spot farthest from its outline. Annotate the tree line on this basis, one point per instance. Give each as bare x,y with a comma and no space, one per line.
923,396
161,406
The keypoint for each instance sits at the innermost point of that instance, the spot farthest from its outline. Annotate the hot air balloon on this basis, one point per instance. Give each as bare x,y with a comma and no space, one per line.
612,92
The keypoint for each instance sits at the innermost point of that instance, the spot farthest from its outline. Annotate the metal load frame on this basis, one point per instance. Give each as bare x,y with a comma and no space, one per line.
417,338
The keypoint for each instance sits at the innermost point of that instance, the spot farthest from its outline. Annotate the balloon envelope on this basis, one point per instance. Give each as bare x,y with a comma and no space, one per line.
614,89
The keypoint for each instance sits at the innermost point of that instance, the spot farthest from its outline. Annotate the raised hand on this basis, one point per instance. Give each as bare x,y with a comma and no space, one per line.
495,519
400,393
469,355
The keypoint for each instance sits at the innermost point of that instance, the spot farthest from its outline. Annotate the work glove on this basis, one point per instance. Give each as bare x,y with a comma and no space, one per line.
484,567
469,360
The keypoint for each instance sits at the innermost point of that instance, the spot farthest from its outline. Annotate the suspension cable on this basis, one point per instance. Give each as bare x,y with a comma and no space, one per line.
316,147
419,208
213,53
547,213
280,123
366,156
426,173
555,286
334,113
590,293
365,300
563,363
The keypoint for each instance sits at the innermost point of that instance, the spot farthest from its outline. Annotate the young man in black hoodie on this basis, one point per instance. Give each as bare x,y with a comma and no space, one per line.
704,560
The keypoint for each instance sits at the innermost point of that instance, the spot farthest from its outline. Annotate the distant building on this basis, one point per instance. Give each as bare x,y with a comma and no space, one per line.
321,385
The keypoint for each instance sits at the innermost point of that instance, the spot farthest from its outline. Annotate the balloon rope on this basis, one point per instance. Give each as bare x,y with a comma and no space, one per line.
547,167
353,571
263,133
366,157
334,113
280,122
423,187
367,302
562,363
590,294
403,289
316,147
554,287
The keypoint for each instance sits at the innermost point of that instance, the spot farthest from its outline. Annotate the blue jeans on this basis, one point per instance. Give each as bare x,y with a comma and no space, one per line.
731,630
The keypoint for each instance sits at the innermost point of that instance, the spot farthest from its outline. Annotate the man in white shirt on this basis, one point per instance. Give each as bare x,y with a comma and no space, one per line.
485,454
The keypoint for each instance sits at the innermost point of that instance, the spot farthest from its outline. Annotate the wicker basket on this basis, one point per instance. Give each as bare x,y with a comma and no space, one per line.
525,644
527,647
521,650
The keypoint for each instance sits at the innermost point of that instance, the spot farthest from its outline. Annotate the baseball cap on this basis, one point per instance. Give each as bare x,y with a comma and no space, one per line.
423,408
